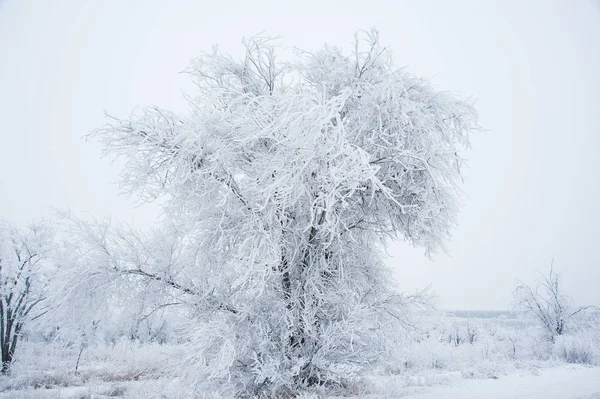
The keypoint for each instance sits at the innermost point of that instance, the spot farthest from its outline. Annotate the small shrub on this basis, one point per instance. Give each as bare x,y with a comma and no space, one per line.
578,350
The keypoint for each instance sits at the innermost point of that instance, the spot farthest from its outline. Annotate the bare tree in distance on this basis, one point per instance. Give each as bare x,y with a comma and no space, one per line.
548,303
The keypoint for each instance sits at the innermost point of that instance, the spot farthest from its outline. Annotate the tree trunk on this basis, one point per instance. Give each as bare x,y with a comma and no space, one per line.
79,358
10,338
7,357
294,289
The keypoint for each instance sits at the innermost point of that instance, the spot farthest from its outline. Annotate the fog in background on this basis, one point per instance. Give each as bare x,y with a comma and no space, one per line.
533,179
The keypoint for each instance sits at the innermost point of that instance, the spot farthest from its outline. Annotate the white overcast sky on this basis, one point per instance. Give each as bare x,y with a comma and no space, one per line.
533,181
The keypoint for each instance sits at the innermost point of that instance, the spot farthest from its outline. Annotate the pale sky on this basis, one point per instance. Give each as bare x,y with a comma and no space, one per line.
533,181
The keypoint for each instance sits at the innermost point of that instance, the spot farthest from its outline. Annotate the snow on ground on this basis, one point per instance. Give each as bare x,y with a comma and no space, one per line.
447,357
564,382
147,389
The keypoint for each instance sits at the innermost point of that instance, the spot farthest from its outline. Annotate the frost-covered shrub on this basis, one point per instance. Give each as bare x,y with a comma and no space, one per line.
498,346
540,347
50,365
428,354
580,348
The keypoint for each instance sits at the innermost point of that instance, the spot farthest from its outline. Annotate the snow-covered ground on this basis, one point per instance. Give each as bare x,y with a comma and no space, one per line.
560,383
563,382
445,357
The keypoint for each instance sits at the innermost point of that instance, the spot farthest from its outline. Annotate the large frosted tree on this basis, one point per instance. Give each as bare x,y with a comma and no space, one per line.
293,176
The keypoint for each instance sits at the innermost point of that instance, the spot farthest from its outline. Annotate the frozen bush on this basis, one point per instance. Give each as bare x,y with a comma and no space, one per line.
580,349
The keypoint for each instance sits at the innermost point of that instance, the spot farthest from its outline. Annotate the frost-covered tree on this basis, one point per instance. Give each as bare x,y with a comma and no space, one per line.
548,303
120,283
292,177
24,281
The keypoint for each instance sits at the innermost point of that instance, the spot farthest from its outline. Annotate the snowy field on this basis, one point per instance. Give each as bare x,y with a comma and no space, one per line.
553,383
444,357
560,382
282,189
